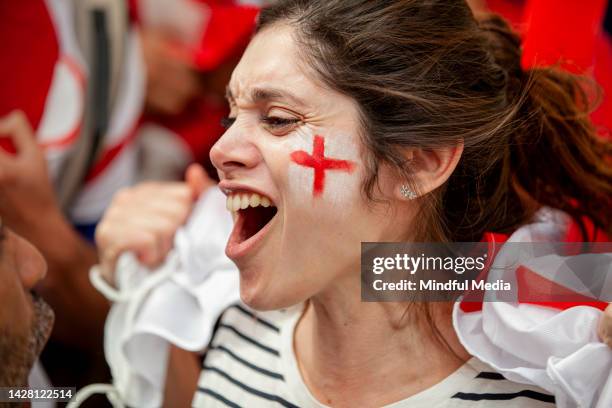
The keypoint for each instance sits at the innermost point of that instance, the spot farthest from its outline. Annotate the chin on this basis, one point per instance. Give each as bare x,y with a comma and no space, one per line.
265,296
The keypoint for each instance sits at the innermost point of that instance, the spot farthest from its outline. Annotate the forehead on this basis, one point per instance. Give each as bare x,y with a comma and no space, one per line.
272,61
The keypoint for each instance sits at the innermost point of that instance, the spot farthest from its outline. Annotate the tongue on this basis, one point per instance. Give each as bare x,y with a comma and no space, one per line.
255,219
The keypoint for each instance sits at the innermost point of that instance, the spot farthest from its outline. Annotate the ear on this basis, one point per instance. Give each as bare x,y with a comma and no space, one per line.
430,168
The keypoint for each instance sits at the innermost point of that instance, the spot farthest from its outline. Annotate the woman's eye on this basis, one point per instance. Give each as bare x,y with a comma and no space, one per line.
226,123
279,125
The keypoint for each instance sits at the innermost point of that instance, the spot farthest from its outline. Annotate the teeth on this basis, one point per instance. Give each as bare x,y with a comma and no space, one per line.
244,203
240,201
236,202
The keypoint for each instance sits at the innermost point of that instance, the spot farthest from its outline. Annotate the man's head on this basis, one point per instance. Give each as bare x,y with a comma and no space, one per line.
25,319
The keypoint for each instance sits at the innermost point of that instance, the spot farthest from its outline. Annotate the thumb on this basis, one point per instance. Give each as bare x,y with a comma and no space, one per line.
197,179
17,126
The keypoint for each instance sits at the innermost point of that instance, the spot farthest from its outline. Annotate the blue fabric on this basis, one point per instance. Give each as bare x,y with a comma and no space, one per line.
87,231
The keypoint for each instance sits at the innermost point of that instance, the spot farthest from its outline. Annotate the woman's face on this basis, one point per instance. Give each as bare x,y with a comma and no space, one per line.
295,142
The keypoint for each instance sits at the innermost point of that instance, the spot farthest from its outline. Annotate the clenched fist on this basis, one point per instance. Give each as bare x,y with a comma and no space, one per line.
143,220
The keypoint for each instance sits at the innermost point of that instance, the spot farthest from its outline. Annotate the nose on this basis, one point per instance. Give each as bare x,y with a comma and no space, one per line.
234,152
32,266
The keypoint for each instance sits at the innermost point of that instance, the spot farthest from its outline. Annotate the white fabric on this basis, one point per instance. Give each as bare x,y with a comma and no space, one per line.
558,351
176,304
63,115
38,379
96,195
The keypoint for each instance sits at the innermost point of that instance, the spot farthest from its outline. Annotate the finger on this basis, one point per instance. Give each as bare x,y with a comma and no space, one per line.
173,199
174,211
145,235
197,179
120,222
168,191
605,326
7,166
17,126
115,236
173,202
142,243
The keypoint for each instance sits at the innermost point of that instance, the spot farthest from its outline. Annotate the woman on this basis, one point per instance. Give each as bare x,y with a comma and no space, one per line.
375,121
356,121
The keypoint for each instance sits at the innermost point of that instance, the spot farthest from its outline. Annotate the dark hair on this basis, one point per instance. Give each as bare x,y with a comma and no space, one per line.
427,73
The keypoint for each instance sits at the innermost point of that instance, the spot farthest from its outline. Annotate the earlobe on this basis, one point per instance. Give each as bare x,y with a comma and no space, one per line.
408,192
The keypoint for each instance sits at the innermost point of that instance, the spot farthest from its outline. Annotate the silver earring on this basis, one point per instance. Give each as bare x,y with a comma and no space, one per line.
407,192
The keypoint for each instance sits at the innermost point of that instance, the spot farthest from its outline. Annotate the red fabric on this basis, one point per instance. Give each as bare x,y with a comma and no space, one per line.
603,74
531,286
227,33
574,234
29,51
473,300
568,32
133,11
511,10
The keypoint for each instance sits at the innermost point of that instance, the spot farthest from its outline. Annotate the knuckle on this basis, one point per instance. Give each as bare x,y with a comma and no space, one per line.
148,186
123,194
18,117
169,229
149,239
101,232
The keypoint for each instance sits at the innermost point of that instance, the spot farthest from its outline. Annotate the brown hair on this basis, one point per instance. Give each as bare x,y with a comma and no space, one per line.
427,73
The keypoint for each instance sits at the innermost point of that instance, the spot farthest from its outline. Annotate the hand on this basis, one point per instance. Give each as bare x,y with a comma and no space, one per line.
27,196
171,82
605,326
143,219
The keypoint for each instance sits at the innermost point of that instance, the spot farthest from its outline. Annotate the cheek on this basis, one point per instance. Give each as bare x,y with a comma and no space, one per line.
323,170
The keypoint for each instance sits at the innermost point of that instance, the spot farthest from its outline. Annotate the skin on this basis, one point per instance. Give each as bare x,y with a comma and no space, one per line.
338,338
24,179
605,326
144,219
255,156
25,320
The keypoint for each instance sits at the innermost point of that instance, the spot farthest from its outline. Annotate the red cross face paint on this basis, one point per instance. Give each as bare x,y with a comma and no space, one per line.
324,168
320,164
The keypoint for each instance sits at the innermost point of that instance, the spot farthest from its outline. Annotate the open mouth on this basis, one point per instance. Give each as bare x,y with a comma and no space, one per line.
254,215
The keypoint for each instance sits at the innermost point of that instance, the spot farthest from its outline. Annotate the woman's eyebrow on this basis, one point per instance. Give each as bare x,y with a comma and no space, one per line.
259,95
271,94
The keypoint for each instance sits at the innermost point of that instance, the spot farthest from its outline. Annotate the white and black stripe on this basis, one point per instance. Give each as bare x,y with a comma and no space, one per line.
249,364
539,396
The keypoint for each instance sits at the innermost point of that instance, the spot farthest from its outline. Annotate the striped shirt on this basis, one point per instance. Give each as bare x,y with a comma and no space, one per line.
250,363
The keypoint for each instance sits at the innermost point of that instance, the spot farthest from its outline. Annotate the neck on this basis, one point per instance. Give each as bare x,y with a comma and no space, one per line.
354,353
